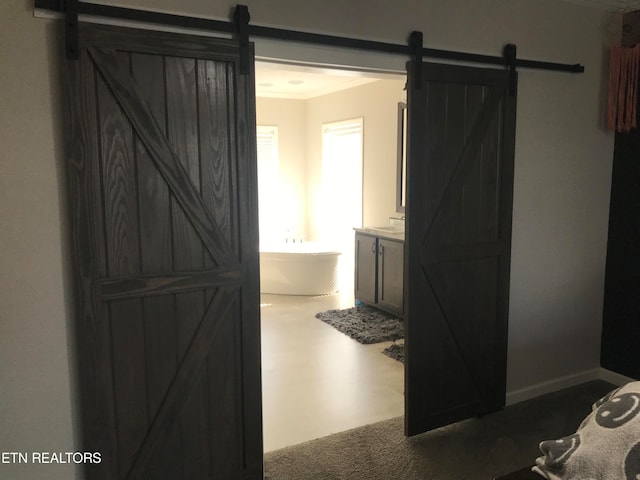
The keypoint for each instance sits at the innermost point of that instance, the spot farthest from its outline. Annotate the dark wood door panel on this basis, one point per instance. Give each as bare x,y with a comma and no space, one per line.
461,138
466,295
126,91
163,200
154,196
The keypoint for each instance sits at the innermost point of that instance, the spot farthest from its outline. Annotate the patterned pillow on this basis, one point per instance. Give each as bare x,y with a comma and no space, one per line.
605,446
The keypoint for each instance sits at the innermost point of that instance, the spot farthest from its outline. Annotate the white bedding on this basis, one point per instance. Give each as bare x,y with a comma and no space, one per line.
606,446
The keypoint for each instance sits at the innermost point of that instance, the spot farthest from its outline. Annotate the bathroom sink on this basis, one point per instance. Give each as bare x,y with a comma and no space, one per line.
389,229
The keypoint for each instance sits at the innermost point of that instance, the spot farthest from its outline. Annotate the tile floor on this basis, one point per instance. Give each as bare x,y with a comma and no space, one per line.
316,380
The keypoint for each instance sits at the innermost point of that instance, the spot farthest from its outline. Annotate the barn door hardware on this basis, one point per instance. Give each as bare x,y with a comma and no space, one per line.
241,18
71,29
509,52
240,26
416,45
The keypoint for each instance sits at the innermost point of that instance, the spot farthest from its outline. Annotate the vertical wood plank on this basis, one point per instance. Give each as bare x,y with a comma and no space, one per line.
488,285
119,184
156,250
120,194
490,178
129,378
453,224
154,198
193,424
454,114
475,96
92,336
470,201
224,382
217,157
505,219
249,448
183,132
436,147
242,118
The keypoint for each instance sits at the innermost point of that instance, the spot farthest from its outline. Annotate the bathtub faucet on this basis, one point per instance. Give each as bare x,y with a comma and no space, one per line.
290,236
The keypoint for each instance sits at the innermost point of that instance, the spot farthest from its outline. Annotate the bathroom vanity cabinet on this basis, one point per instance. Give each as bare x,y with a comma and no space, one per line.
379,271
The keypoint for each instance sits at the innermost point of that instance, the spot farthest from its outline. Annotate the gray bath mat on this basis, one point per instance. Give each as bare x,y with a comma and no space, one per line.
395,351
364,324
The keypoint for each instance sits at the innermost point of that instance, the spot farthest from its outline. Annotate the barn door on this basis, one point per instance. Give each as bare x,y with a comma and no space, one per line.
162,183
458,240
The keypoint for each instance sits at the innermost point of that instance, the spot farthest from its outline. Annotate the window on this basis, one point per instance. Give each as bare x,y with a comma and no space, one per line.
342,190
268,189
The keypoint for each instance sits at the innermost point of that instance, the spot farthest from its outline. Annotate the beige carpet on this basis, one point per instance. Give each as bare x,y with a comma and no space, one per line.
473,449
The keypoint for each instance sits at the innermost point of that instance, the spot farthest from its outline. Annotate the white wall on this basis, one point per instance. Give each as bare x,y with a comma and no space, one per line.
563,170
561,205
35,388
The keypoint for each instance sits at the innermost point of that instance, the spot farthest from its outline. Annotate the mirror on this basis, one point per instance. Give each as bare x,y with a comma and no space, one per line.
401,175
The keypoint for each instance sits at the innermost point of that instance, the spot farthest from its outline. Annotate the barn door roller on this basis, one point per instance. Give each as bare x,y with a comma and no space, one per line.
509,52
416,45
241,18
71,29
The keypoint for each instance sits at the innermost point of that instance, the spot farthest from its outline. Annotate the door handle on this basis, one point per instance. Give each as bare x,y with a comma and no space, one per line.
373,247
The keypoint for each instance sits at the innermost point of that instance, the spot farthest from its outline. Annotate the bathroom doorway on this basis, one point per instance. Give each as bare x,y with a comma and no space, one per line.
336,164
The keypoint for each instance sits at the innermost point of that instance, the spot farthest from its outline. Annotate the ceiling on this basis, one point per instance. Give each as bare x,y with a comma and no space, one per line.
276,80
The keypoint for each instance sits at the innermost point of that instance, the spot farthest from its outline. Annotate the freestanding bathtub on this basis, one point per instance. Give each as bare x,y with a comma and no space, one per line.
301,268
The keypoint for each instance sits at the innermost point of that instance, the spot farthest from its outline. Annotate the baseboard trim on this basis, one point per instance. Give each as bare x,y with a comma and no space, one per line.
532,391
615,378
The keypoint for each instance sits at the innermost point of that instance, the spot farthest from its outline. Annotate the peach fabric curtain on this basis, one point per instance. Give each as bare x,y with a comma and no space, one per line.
623,88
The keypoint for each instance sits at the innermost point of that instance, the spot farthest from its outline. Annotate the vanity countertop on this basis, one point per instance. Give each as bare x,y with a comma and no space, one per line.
388,232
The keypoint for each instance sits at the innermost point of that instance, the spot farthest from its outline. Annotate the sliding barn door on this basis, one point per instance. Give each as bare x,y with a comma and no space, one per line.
162,186
458,241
